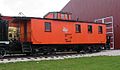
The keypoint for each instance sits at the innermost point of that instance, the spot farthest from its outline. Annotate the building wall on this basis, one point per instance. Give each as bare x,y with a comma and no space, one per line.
89,10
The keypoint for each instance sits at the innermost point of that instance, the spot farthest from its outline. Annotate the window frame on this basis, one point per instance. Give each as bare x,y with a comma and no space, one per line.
55,15
62,16
66,16
47,29
77,28
100,30
90,29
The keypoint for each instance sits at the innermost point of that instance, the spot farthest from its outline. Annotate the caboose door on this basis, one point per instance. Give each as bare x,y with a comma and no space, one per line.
3,30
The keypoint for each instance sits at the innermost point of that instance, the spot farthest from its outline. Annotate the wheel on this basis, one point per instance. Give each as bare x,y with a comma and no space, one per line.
2,52
87,49
45,53
78,51
28,54
99,49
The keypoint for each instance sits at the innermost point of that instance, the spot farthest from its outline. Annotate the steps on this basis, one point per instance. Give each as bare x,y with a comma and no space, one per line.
26,48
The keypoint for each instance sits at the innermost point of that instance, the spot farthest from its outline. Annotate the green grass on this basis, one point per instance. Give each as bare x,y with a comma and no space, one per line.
86,63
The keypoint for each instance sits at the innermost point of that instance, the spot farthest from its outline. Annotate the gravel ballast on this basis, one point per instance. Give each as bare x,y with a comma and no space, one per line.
102,53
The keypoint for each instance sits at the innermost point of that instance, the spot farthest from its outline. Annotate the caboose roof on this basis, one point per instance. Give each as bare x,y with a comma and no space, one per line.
18,18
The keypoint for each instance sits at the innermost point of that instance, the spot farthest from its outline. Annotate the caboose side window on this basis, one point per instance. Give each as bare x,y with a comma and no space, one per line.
89,28
78,28
47,27
100,30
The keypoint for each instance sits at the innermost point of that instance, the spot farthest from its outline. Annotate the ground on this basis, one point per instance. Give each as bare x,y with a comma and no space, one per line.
84,63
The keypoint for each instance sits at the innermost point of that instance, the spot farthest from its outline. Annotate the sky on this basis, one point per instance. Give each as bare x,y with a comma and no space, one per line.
30,8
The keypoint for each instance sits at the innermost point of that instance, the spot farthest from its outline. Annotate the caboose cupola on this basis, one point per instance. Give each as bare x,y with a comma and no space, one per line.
58,15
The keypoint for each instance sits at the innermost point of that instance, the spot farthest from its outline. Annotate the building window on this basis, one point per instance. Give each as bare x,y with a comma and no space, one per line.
89,28
55,15
78,28
47,27
100,30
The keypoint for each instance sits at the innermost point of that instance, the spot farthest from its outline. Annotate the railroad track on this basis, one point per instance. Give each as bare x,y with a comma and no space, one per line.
58,56
22,58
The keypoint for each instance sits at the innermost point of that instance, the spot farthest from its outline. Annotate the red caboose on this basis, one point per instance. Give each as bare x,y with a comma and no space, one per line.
60,34
56,32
